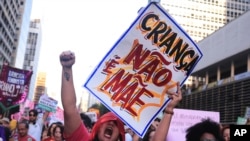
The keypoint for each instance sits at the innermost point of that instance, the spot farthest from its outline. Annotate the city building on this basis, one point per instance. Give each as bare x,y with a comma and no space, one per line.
222,77
32,53
200,18
22,32
40,87
11,15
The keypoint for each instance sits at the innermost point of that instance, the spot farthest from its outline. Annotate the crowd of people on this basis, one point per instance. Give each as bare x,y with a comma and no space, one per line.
79,127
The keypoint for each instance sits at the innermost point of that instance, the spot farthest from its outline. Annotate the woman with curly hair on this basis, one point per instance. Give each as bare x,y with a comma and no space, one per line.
206,130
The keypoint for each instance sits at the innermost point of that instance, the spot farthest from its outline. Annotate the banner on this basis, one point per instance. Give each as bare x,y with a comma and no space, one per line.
146,62
14,86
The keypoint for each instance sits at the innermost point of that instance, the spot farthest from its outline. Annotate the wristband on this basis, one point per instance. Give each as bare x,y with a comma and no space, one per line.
168,112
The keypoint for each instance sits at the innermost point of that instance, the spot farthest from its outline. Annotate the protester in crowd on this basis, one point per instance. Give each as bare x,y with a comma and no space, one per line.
23,127
248,121
36,123
108,127
49,135
44,134
155,123
226,132
129,134
150,132
163,127
204,131
86,121
58,133
5,123
149,135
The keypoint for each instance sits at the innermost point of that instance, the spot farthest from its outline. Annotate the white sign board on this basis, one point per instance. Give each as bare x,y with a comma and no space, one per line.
148,60
183,119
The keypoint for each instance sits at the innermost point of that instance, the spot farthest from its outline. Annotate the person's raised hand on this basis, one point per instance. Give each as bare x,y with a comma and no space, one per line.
67,59
175,97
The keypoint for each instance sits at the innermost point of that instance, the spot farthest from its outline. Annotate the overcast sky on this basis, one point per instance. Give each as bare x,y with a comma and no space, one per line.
87,27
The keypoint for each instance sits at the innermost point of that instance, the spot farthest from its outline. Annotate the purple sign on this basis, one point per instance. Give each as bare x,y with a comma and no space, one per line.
14,86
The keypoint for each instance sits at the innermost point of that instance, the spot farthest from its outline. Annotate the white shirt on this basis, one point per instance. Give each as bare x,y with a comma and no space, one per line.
35,130
128,137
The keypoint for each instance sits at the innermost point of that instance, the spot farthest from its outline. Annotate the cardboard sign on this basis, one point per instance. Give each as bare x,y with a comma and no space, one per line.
184,118
47,103
146,62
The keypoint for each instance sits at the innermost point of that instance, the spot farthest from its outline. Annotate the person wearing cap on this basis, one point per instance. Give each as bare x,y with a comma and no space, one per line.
5,122
107,128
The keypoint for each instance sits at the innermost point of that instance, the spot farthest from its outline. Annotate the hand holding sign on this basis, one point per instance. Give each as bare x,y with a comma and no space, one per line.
175,99
162,130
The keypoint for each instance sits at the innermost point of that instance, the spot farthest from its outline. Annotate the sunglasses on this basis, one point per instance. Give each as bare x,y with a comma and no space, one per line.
32,115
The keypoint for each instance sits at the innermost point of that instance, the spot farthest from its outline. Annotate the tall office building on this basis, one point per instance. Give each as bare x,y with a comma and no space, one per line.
32,53
200,18
14,22
22,32
40,88
223,74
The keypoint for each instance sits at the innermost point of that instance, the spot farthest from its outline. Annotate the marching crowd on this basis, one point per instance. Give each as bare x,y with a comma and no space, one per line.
78,127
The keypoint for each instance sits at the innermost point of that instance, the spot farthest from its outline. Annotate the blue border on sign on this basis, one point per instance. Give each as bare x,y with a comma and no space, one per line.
119,40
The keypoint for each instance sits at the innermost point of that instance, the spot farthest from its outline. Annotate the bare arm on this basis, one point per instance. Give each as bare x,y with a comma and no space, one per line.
162,129
72,119
45,116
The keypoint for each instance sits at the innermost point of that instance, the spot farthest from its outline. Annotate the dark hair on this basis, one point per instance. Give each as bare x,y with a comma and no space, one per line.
61,129
157,119
25,122
34,111
86,120
195,132
146,137
224,128
51,125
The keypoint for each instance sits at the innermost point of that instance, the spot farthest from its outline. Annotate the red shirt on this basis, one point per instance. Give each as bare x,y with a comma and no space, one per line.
48,139
80,134
26,138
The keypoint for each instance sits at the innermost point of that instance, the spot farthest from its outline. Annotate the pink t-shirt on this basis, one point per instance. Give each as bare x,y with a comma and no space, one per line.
80,134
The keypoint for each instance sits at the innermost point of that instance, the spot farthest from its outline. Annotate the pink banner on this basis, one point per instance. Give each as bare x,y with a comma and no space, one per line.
14,86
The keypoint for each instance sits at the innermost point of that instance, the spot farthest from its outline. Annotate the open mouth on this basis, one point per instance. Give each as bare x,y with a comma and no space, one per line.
108,132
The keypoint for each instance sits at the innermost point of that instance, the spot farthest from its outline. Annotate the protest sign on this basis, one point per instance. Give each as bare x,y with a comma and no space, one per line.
183,119
14,86
47,103
241,121
147,61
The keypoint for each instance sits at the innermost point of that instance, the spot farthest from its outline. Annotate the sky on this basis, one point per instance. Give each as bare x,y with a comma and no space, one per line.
89,28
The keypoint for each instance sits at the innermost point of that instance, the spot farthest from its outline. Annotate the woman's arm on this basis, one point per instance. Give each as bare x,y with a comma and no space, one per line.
162,130
72,119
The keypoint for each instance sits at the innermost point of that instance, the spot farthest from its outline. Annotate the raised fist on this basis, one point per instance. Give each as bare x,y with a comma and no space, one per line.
67,59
